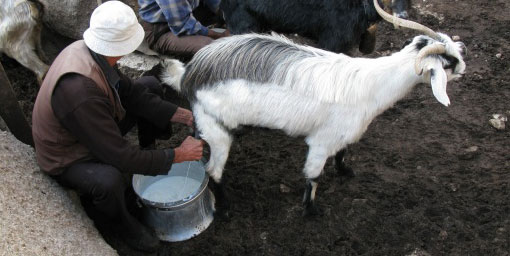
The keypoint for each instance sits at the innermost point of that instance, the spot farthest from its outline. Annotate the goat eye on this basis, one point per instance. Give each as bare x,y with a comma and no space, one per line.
407,42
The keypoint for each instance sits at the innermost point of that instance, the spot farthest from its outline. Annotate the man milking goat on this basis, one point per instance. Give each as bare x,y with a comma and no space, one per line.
85,106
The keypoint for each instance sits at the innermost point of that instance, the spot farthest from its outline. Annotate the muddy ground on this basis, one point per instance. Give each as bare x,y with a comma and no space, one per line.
430,180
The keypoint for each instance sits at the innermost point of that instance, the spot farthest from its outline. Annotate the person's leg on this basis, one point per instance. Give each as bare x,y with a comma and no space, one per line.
182,47
162,40
105,186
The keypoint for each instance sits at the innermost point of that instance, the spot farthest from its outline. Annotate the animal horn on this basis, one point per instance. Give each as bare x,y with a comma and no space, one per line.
405,23
426,51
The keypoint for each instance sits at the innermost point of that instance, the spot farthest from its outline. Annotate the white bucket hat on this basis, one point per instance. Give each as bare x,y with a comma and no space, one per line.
114,30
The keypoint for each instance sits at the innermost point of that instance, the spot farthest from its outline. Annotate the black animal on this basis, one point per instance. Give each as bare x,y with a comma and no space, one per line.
336,25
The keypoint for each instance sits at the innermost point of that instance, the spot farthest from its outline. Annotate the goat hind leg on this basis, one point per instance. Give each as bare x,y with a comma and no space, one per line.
340,166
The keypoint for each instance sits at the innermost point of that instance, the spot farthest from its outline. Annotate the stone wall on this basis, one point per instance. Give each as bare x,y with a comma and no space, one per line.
38,216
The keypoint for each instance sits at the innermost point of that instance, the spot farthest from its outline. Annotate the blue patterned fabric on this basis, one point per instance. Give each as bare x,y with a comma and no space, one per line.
177,13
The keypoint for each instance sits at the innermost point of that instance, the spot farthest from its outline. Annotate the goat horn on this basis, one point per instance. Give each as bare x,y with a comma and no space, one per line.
426,51
405,23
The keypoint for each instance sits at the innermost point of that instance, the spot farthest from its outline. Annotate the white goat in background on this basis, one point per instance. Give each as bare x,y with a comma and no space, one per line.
20,34
329,98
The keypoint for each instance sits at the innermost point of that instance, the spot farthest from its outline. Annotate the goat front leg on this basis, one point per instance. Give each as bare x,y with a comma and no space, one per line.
313,168
340,166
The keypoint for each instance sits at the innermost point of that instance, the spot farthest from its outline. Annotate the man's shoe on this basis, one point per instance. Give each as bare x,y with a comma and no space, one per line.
140,238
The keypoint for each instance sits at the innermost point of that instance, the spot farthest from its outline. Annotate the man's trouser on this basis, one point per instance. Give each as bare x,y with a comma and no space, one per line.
160,39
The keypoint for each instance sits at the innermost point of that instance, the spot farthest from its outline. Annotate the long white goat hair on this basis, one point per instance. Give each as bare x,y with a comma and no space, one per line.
329,98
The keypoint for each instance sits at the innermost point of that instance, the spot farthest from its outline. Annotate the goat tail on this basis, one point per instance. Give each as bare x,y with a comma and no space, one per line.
173,70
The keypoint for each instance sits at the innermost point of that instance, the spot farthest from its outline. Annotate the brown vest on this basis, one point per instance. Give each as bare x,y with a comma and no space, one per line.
55,147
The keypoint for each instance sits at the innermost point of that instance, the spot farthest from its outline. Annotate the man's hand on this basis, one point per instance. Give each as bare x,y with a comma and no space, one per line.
183,116
190,149
215,35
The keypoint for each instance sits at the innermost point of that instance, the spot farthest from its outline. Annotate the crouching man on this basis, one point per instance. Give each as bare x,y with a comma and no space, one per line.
85,106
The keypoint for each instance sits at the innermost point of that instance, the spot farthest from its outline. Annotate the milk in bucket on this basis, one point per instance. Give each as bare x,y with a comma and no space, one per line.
178,206
177,185
171,189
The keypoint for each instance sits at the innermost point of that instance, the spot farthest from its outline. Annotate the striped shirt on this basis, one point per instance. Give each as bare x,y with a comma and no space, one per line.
177,13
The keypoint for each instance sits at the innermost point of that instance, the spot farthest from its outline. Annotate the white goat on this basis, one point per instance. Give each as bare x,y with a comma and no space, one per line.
20,34
329,98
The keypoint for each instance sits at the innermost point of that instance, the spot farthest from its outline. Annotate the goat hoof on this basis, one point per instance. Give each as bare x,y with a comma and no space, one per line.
223,215
345,171
312,210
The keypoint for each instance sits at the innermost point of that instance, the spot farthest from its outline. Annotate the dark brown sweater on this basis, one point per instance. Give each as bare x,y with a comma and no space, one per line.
85,112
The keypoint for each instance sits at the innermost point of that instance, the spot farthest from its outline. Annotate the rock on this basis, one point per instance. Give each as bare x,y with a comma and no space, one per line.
136,65
38,216
359,202
71,18
498,121
419,252
498,55
3,125
443,235
284,188
498,124
500,117
472,149
469,153
456,38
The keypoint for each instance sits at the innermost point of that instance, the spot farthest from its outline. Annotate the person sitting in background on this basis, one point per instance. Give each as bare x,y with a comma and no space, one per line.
171,28
85,106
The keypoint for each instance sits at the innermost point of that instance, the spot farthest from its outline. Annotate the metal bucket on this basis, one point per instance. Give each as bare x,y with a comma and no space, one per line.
182,212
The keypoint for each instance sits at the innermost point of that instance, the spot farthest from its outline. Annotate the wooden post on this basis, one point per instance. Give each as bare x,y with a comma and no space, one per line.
11,112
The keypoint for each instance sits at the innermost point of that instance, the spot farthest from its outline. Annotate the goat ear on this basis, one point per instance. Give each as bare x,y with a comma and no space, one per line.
438,81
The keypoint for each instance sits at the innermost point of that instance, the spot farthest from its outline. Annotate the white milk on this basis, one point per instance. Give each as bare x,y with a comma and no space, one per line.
171,189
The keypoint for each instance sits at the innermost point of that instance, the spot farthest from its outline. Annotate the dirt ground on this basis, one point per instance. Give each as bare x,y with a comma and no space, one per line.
430,180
